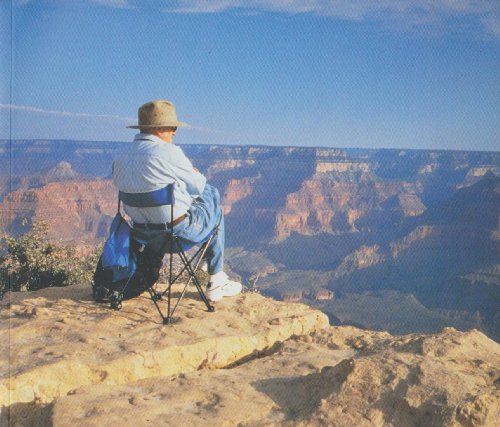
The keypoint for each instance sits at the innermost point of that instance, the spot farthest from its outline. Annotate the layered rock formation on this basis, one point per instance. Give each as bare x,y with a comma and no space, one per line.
253,361
326,202
362,224
75,211
268,192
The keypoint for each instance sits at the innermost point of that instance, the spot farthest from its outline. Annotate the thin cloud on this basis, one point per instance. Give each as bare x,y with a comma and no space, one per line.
31,109
403,14
400,14
120,4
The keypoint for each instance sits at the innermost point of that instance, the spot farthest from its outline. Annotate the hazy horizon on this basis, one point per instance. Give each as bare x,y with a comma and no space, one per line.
259,145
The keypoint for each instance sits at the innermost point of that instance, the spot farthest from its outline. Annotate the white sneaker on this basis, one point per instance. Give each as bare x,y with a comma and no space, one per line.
221,287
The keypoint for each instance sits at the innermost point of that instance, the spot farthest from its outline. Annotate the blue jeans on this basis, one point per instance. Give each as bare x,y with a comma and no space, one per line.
204,214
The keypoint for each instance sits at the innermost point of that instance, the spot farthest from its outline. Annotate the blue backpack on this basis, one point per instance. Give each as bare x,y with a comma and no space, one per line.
126,266
116,254
117,264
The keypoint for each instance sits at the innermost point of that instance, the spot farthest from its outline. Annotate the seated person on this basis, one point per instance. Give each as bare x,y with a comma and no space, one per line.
151,163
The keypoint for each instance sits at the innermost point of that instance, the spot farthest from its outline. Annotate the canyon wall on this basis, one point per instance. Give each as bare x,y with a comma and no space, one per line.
75,211
338,228
268,193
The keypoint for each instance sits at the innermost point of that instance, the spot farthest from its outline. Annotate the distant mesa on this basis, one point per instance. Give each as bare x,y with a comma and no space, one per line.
62,171
477,173
324,295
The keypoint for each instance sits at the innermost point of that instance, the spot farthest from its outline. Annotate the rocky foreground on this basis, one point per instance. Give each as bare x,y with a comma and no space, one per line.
254,361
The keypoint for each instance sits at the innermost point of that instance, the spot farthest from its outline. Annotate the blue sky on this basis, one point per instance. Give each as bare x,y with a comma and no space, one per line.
359,73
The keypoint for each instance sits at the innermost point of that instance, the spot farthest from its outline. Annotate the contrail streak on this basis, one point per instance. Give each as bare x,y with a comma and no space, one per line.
31,109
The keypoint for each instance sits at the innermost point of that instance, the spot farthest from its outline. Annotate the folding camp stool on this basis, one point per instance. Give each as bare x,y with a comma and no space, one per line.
172,245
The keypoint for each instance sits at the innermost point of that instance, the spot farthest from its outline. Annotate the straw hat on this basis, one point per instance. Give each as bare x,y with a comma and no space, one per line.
156,114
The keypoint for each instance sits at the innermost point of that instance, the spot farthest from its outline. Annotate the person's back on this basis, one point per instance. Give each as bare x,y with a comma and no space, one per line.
150,164
154,162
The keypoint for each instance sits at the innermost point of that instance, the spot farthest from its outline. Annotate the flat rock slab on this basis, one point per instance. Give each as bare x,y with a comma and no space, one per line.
447,379
270,389
59,340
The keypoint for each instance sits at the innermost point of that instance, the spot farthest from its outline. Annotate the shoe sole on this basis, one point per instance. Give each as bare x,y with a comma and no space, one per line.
214,298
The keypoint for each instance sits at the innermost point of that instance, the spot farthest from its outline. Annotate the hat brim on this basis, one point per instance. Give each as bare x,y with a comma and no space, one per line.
165,125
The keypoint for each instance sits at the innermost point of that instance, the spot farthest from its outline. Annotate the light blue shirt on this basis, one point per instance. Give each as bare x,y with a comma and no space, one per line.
151,164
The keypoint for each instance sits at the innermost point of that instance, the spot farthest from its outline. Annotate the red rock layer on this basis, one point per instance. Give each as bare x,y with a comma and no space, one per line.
337,197
75,210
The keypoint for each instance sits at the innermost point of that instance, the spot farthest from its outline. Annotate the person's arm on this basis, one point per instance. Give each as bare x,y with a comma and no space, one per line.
185,171
114,174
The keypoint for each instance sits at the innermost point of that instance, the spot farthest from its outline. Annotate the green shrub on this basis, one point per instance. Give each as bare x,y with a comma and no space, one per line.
32,262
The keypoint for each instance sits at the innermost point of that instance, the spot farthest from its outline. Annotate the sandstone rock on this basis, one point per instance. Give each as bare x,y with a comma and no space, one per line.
58,339
302,382
281,365
342,166
324,295
421,235
218,166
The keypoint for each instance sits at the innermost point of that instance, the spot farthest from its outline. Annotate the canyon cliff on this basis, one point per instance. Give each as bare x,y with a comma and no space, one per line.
74,210
273,191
